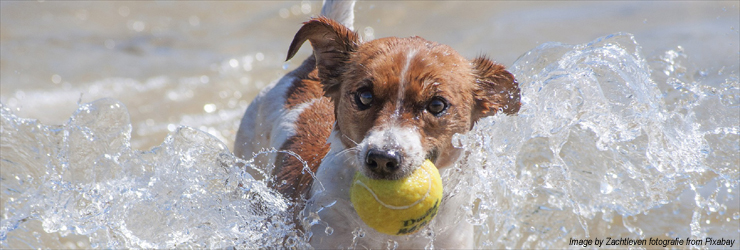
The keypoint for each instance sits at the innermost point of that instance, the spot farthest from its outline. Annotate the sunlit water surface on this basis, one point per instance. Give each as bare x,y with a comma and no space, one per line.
611,140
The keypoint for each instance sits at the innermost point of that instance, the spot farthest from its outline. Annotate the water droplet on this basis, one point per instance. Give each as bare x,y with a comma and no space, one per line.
606,188
56,79
457,140
209,108
369,32
329,230
138,26
284,13
391,245
305,8
291,241
295,9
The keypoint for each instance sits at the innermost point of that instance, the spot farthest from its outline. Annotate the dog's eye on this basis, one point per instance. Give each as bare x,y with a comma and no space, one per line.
363,98
437,105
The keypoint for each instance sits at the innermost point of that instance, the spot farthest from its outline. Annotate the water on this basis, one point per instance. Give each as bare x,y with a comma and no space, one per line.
623,135
189,191
602,148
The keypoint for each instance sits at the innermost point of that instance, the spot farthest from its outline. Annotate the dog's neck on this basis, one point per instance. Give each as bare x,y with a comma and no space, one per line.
336,172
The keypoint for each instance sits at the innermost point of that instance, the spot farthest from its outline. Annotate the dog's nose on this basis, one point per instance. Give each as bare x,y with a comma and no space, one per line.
383,162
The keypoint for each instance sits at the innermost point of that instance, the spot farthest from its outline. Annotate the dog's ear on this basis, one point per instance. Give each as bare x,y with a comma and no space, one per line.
332,44
495,89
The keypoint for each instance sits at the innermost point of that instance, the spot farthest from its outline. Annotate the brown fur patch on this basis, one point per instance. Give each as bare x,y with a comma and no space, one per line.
306,87
496,89
404,75
312,129
332,44
424,70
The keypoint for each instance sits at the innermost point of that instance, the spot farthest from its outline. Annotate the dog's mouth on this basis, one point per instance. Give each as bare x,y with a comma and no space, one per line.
405,168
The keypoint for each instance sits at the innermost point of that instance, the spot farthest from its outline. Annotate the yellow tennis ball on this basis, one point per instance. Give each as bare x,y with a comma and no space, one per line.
398,207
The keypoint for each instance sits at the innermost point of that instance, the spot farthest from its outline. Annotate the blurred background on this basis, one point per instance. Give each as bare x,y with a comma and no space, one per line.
199,63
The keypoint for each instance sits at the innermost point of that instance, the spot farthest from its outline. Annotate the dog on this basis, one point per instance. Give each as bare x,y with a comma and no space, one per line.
380,107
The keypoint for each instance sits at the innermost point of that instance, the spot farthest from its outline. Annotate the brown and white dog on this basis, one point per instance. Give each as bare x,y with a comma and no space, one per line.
380,107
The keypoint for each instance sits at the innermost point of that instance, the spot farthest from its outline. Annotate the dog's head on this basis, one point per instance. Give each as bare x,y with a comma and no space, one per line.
399,101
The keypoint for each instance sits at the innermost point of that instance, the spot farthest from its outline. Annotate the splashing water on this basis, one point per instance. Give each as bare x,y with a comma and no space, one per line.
84,178
607,143
597,136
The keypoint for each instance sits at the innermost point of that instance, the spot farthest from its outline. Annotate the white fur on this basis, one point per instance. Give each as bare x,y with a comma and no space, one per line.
409,57
341,11
402,84
286,124
267,124
330,201
257,130
407,140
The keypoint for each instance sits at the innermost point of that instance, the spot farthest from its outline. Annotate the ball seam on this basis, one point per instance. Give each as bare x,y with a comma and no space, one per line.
429,190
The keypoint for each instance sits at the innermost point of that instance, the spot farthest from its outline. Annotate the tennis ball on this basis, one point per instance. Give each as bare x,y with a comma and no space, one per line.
398,207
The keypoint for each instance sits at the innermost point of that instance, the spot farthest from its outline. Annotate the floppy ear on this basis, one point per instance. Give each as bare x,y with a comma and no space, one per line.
495,89
332,44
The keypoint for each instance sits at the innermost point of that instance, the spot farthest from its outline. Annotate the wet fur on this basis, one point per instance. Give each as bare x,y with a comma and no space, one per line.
327,130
